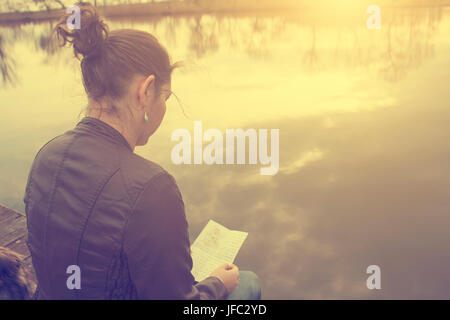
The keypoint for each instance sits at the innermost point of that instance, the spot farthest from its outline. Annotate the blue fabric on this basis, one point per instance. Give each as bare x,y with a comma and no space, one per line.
248,287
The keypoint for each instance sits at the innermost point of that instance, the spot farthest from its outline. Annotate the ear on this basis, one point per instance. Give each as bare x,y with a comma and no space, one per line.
146,90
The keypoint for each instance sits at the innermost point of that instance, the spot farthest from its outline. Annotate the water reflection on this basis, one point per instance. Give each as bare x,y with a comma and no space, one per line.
354,189
364,167
6,64
47,42
405,41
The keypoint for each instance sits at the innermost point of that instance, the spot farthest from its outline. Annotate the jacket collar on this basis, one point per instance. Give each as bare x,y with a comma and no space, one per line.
97,126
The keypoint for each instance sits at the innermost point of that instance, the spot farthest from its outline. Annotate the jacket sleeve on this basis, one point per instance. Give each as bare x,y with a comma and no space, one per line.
156,243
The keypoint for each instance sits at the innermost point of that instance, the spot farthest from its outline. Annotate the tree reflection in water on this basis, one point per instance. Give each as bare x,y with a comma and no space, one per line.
405,41
6,64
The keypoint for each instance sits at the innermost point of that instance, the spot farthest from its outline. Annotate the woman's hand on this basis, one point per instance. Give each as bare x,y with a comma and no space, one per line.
229,274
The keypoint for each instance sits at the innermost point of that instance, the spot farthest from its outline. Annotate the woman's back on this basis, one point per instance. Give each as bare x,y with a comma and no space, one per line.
92,203
79,181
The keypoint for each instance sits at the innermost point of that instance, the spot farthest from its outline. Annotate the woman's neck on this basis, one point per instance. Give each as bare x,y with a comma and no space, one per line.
114,122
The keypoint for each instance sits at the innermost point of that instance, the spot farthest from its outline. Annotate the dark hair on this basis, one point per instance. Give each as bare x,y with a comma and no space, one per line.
15,283
110,59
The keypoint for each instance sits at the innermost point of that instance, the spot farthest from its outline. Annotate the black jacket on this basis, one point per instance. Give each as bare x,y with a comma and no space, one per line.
92,202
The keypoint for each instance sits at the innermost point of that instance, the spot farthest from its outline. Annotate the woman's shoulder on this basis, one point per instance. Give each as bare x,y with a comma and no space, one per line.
52,151
55,144
138,173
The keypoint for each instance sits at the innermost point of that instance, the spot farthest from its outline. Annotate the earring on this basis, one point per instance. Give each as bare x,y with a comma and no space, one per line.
146,117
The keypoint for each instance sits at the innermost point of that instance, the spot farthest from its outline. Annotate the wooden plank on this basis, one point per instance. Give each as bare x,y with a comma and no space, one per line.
13,226
20,246
6,213
11,229
6,210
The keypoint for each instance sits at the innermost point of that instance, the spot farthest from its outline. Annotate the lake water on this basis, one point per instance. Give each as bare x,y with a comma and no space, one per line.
363,115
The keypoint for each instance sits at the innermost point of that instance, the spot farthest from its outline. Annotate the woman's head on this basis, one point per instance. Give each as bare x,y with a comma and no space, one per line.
126,73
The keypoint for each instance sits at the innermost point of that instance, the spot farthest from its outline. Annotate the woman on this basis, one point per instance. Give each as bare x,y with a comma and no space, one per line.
93,204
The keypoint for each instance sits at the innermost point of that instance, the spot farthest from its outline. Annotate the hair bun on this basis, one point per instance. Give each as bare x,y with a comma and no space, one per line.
89,40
